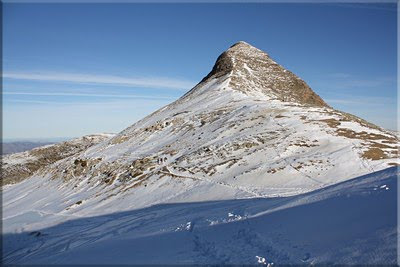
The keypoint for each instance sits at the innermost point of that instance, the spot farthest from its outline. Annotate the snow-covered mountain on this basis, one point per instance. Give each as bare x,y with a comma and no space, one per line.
249,129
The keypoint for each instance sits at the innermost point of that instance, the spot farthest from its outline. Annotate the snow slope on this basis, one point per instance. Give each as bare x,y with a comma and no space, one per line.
353,222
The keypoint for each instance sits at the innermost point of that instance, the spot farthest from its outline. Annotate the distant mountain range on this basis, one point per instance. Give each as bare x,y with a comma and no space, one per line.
21,146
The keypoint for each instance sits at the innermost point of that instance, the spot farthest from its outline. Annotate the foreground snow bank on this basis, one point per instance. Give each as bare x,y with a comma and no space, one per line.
353,222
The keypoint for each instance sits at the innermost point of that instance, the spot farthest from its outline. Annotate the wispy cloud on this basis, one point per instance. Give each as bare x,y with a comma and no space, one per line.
368,5
362,101
339,75
346,80
31,101
90,95
361,83
107,103
147,82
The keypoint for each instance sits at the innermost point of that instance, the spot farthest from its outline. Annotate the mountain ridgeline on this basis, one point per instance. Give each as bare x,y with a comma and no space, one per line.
248,167
250,128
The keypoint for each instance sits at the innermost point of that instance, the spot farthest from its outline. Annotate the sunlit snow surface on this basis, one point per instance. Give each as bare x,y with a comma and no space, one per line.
353,222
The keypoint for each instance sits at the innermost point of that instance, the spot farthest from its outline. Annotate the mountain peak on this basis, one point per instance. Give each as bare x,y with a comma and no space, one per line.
243,44
252,71
246,52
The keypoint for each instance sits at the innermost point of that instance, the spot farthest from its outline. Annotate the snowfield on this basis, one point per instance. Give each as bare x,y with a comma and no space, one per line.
353,222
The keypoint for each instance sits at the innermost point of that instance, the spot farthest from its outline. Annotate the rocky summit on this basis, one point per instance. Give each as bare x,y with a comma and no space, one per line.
253,71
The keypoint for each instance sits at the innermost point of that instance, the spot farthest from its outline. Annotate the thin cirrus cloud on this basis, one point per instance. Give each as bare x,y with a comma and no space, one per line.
146,82
345,80
109,104
362,101
339,75
88,95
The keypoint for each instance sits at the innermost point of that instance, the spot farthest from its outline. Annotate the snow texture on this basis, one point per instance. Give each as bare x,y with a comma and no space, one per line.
353,222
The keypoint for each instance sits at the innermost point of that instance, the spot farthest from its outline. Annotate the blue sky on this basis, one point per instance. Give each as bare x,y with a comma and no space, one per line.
74,69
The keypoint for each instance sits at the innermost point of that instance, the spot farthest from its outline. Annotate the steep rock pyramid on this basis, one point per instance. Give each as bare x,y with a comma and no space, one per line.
252,70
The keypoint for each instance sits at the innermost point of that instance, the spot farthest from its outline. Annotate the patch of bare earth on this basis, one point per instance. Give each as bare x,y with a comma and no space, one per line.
374,149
